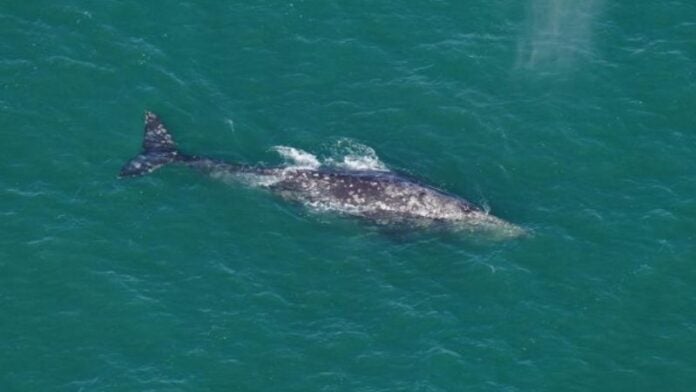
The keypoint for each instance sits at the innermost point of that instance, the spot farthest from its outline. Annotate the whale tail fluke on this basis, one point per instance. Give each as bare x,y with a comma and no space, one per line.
159,149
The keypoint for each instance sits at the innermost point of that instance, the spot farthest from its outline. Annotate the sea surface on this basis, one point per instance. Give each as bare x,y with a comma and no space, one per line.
573,119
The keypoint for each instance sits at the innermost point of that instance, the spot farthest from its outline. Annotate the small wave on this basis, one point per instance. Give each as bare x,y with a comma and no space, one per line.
346,154
351,155
300,158
358,162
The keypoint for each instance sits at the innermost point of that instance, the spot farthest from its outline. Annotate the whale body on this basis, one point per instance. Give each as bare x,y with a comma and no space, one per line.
382,197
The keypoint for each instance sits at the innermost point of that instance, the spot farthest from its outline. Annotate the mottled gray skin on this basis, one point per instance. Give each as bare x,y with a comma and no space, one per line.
375,193
383,197
379,196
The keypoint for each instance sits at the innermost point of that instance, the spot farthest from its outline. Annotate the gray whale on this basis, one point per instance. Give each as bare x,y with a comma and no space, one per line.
380,196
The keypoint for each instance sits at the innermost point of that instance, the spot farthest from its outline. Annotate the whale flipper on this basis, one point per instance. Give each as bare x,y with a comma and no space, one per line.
159,149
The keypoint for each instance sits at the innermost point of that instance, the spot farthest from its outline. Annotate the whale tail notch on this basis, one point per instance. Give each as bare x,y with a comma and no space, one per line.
159,149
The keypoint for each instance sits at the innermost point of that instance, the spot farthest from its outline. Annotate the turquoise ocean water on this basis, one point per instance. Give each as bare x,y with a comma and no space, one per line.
575,120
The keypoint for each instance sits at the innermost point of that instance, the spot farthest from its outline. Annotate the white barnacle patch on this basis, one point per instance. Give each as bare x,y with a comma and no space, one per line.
413,202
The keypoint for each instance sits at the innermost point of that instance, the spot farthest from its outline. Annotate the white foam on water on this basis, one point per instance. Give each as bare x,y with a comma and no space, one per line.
351,155
345,154
299,158
358,162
